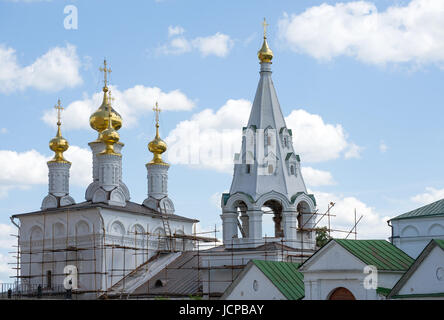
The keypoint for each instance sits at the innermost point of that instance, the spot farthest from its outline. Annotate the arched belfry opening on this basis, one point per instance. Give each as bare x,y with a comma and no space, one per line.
274,208
243,219
304,215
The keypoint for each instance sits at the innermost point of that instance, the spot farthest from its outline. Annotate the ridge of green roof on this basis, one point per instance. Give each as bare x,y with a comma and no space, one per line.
433,209
380,253
418,295
285,276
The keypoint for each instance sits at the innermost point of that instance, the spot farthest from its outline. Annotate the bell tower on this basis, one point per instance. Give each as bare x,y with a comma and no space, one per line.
267,176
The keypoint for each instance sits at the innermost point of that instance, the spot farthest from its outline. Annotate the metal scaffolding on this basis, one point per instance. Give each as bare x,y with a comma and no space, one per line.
110,280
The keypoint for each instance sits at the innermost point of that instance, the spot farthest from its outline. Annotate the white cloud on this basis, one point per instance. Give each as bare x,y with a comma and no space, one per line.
6,245
316,140
3,130
211,138
354,151
218,44
431,195
81,165
53,71
6,271
216,198
174,31
410,33
315,177
383,147
371,226
6,238
130,103
24,169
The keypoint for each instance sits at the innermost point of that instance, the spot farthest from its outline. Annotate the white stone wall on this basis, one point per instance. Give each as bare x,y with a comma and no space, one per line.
335,267
412,235
97,255
255,286
429,277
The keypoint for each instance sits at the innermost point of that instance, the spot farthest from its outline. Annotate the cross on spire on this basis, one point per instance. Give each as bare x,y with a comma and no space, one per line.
265,25
111,99
157,110
105,71
59,108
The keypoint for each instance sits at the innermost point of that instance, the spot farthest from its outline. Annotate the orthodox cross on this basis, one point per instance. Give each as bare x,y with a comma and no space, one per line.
265,25
105,71
157,110
59,108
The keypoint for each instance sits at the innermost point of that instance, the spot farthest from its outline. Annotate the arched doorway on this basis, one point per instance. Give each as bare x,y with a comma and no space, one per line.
341,293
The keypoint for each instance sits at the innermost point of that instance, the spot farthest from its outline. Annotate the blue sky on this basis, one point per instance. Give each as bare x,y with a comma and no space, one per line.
359,82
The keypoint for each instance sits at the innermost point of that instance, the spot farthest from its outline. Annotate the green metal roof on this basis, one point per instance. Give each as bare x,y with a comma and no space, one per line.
440,243
383,291
285,276
380,253
433,209
289,155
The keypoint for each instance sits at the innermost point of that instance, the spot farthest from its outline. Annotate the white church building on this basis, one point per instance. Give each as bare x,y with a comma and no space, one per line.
413,230
107,236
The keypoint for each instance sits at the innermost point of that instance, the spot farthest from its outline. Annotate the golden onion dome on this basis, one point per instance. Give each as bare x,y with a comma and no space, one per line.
58,144
265,54
157,146
110,136
99,119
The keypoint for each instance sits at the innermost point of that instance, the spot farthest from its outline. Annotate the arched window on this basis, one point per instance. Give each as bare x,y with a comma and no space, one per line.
270,169
292,170
248,168
49,279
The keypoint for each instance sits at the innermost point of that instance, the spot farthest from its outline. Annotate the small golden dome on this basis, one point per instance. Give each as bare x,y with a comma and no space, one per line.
110,137
265,54
157,146
58,144
99,119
